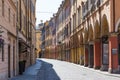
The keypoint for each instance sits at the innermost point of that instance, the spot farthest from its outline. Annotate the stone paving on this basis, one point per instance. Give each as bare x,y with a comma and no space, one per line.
48,69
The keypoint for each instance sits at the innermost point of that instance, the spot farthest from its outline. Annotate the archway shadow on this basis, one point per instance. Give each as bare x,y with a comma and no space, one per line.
47,72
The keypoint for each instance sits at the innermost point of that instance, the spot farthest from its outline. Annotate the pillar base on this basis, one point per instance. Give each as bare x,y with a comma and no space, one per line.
96,67
85,65
104,68
90,66
81,63
110,70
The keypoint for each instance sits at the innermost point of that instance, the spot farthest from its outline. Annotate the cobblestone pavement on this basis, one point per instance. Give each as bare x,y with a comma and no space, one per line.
60,70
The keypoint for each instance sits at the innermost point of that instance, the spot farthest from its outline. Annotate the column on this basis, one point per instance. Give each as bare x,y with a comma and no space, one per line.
97,54
113,53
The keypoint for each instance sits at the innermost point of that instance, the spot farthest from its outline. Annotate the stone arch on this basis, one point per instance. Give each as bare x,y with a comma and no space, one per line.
117,27
97,30
105,26
90,37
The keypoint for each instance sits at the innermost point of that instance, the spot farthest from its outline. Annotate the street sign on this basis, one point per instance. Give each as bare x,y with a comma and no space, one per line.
114,51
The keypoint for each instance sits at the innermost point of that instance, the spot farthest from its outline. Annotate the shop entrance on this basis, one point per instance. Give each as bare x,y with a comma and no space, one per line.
105,46
119,49
91,56
9,75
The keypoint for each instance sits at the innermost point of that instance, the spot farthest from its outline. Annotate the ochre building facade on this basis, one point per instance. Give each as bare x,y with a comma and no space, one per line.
87,33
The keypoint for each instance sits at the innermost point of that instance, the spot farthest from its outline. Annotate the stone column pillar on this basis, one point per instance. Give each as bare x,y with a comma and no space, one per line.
113,53
97,54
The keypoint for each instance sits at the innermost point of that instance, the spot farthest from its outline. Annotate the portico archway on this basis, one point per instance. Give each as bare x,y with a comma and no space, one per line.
91,47
105,45
85,42
81,48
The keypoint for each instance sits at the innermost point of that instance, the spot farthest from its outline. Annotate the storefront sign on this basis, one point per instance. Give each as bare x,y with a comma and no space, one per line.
114,51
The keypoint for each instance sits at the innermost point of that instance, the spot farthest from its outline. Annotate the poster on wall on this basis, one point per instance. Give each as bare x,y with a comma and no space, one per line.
105,54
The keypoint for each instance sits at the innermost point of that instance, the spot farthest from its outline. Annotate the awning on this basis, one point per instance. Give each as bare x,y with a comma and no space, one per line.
23,46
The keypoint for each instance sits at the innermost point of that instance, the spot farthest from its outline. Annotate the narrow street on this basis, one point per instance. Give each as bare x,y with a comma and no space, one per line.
59,40
60,70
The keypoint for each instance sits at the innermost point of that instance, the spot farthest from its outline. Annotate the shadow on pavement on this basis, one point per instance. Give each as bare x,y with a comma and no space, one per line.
30,73
39,71
47,72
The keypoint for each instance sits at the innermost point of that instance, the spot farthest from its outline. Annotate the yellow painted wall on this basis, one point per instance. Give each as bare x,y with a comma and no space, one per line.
82,55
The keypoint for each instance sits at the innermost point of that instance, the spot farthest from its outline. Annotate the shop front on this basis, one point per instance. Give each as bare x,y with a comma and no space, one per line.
23,56
90,47
105,43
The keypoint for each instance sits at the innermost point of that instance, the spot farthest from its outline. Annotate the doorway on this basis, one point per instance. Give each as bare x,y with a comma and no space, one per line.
91,56
14,60
105,51
9,74
105,54
119,49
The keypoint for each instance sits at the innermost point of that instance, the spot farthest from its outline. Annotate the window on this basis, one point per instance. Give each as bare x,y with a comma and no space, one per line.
74,21
2,48
9,14
86,5
14,59
2,7
79,16
21,21
93,1
74,5
14,20
32,7
70,27
3,51
17,11
24,24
